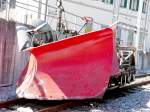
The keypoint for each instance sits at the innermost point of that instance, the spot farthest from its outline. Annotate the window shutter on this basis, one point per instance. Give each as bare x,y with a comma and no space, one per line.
111,1
137,7
125,3
130,4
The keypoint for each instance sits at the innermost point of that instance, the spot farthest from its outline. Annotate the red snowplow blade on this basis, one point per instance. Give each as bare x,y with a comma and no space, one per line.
75,68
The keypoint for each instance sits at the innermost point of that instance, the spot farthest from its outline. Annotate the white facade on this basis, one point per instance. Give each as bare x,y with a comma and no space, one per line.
103,14
133,23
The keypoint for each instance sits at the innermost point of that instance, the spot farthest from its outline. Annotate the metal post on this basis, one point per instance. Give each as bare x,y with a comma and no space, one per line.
75,26
39,9
46,2
116,7
146,25
61,9
8,9
137,37
138,25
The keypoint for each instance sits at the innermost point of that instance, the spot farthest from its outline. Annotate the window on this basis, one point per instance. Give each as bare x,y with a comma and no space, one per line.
144,6
123,3
12,3
2,4
108,1
130,38
134,5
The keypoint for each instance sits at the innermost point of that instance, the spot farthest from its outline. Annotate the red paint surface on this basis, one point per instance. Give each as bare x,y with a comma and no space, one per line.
78,67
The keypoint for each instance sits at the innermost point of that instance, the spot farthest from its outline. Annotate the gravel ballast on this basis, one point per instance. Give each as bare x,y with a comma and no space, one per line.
136,101
133,100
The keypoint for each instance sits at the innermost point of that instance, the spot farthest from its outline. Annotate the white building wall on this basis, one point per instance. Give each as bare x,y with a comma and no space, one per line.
102,13
28,10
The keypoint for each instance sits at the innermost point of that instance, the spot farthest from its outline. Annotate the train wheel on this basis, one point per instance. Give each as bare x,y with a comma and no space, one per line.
129,78
123,80
132,77
109,85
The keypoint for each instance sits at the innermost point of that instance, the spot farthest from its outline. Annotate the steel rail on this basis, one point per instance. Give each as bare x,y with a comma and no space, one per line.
72,103
82,102
60,107
138,82
9,102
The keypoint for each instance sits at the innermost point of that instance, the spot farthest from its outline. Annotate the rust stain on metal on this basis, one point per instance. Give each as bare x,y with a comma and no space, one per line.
11,61
7,51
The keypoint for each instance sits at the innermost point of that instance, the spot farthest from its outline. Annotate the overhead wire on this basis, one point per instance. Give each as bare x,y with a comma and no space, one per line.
27,4
54,17
50,6
65,11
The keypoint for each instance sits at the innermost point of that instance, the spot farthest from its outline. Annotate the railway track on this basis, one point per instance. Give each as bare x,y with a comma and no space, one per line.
139,81
55,106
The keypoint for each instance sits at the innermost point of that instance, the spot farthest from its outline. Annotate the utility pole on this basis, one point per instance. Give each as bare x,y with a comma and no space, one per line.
46,2
137,37
146,30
